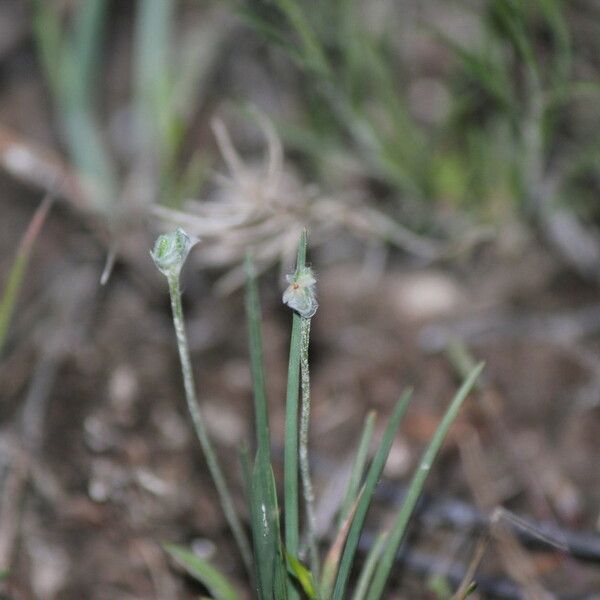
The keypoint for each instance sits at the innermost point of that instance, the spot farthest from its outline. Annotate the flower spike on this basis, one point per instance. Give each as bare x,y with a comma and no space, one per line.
301,294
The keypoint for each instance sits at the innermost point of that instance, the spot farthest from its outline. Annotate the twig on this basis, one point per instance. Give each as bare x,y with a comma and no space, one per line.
515,560
491,403
39,167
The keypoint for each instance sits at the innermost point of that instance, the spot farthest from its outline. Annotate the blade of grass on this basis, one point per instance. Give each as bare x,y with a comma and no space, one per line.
70,57
314,55
244,456
290,458
79,70
153,27
304,576
368,569
269,562
253,317
153,85
416,486
373,475
216,583
270,568
49,38
358,467
332,560
19,266
88,32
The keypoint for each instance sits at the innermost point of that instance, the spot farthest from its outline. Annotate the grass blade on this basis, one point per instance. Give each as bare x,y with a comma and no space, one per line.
268,554
76,101
332,560
361,511
304,576
244,456
210,577
312,51
368,569
256,362
416,486
358,467
88,33
48,35
291,432
19,266
271,574
154,82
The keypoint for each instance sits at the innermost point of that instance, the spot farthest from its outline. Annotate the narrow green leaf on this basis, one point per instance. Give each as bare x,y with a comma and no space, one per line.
269,562
153,32
216,583
303,575
244,457
358,467
368,569
416,486
88,33
158,126
270,568
332,560
371,481
10,293
491,76
291,432
313,53
49,37
256,361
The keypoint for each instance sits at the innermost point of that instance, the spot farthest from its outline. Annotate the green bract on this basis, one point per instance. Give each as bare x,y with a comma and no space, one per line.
170,251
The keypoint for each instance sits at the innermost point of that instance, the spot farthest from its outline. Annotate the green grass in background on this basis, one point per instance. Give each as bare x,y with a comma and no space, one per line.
513,142
509,93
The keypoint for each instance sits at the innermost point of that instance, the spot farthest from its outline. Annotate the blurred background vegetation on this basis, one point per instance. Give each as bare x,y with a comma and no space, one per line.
444,155
446,115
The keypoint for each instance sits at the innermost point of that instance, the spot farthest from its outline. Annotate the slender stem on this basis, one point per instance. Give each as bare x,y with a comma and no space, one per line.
200,426
309,498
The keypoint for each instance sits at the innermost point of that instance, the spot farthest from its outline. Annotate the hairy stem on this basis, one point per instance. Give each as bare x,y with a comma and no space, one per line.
307,489
200,426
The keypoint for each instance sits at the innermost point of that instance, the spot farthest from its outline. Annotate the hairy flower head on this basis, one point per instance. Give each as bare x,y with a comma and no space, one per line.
170,251
301,294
